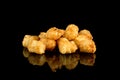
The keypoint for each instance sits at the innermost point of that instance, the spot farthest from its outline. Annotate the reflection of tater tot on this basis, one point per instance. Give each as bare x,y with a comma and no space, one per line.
71,65
42,35
54,33
85,44
72,61
27,39
87,59
37,47
66,46
26,53
86,33
71,32
50,44
54,63
37,59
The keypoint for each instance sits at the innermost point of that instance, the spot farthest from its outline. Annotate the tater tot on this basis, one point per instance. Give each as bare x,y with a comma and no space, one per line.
36,47
27,39
85,44
71,32
50,44
54,33
78,39
65,46
42,35
86,33
73,46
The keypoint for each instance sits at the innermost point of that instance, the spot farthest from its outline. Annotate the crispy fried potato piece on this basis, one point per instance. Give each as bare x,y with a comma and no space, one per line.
86,33
36,47
85,44
65,46
78,39
27,39
50,44
73,46
42,35
54,33
71,31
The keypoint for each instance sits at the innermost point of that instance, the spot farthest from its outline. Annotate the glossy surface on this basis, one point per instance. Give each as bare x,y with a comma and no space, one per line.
56,60
82,69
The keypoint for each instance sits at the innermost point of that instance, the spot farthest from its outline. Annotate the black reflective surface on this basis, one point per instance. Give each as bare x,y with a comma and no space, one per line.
52,66
56,60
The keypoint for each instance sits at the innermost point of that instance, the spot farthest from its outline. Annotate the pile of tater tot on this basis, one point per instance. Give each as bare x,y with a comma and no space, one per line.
67,41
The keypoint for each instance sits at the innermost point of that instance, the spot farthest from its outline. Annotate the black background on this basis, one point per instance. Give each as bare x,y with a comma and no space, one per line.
33,24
